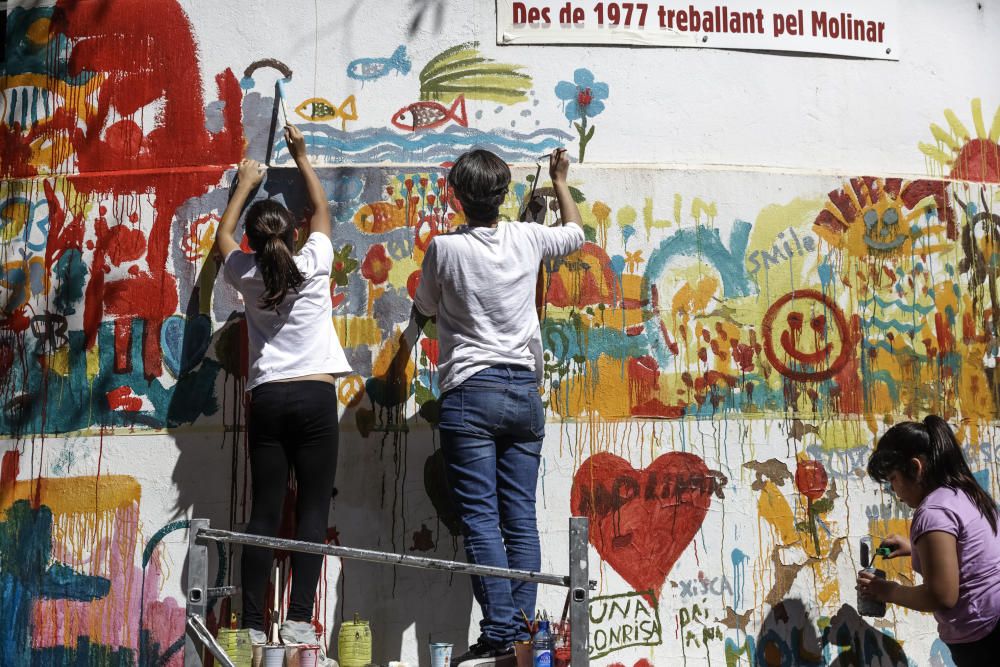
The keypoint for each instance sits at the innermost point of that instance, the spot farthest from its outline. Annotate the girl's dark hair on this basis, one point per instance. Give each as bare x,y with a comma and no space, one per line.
270,232
480,180
934,441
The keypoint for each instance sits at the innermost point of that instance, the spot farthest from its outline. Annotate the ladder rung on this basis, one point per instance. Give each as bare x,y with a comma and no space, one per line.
383,557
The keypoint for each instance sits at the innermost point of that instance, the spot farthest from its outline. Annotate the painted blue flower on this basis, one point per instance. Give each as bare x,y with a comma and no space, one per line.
584,96
628,231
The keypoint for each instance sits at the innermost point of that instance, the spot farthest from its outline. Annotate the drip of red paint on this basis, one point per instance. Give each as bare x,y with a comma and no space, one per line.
9,469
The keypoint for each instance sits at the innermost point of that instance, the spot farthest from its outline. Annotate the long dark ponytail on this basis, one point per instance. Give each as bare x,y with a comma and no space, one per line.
945,464
271,231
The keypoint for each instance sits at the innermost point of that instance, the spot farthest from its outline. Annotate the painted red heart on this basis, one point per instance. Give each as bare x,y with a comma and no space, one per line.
642,520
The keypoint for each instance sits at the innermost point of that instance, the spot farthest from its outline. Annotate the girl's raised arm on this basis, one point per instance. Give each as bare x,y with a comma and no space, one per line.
320,221
248,177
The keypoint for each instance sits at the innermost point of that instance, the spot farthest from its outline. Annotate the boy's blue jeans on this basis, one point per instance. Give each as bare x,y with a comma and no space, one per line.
492,426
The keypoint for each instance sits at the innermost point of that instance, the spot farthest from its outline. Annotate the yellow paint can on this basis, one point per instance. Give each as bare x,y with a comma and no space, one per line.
354,643
237,645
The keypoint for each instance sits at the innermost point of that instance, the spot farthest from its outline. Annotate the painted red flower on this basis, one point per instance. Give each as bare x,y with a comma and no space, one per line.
811,479
376,265
412,282
430,348
584,98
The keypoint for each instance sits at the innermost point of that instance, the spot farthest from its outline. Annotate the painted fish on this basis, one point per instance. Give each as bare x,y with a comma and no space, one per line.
428,115
320,109
367,69
380,217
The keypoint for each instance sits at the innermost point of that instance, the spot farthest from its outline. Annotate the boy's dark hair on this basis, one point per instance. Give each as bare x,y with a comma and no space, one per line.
934,442
270,232
480,181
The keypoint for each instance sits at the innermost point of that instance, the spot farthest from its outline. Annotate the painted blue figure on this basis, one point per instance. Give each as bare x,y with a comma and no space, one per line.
27,573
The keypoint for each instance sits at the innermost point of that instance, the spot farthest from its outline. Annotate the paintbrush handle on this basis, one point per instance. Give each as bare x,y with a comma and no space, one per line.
281,95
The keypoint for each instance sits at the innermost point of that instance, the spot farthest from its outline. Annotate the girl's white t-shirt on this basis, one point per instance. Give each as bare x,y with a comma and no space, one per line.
480,284
299,338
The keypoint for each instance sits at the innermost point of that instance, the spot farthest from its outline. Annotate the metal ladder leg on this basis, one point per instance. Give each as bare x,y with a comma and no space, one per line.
197,591
579,591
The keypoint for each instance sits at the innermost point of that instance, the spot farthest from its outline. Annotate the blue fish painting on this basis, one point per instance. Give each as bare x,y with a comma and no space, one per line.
369,69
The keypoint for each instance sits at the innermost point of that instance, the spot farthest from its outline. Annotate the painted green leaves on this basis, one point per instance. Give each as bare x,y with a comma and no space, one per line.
463,70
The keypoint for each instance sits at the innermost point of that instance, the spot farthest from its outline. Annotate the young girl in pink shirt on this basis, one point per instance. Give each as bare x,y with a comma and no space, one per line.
953,542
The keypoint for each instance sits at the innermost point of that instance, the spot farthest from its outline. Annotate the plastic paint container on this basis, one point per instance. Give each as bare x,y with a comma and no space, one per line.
354,643
301,655
440,654
274,656
237,645
308,655
524,653
869,606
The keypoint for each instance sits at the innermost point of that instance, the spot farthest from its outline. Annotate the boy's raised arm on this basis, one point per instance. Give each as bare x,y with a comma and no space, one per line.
558,170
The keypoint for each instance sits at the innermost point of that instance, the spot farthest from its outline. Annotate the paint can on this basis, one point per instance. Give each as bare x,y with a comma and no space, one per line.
308,655
523,653
354,643
440,654
274,656
301,655
237,645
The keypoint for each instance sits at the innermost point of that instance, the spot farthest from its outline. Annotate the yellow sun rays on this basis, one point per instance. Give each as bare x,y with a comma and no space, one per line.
949,143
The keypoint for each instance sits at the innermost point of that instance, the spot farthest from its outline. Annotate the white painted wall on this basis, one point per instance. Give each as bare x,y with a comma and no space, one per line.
760,136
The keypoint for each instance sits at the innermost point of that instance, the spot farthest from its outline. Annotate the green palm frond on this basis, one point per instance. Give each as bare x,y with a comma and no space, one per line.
462,70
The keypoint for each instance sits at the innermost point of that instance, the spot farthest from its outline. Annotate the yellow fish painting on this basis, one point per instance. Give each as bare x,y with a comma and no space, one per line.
320,109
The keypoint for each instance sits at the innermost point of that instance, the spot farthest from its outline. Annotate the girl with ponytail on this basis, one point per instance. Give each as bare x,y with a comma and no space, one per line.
955,535
294,357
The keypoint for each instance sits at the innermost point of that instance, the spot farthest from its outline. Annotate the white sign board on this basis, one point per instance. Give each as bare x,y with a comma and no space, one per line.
857,28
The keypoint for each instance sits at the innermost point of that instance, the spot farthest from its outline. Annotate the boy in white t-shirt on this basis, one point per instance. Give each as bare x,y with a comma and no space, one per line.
479,283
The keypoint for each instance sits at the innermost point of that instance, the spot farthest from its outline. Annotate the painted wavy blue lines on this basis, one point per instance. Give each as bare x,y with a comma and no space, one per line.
385,145
893,323
898,305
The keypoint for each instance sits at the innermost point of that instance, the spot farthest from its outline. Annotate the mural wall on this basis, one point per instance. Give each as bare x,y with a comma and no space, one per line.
720,355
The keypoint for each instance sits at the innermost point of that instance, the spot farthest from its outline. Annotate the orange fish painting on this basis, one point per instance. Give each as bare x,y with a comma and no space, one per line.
318,109
380,217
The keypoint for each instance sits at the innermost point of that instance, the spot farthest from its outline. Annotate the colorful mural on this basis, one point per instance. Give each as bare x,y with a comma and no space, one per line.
719,356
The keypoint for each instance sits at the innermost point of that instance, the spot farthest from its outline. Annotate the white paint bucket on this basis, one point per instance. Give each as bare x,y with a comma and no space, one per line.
274,656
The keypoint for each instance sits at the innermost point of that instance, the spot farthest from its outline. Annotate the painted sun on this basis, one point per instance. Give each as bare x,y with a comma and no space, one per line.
959,154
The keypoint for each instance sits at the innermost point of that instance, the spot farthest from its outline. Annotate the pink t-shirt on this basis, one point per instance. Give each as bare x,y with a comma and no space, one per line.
978,608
